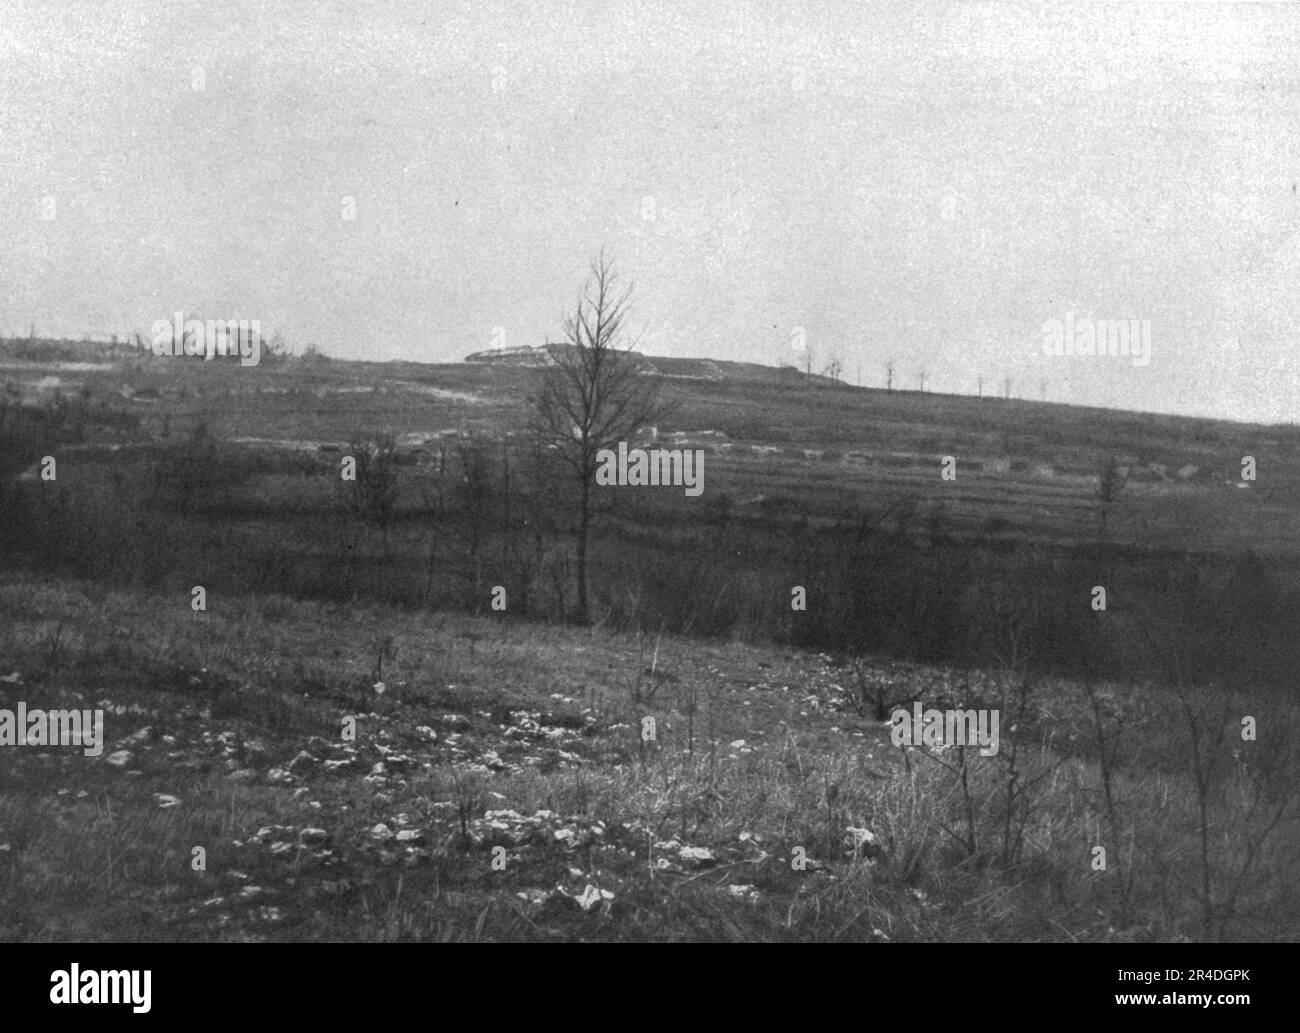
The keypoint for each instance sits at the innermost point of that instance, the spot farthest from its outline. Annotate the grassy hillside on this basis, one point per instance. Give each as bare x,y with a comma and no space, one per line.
779,446
769,804
176,472
363,749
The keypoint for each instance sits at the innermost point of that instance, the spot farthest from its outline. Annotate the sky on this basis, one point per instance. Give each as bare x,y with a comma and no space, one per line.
927,184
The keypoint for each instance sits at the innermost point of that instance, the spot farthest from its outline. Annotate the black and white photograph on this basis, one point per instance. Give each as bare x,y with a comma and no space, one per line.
626,472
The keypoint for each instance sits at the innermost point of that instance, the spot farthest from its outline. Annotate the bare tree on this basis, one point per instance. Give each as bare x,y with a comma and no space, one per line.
592,396
889,375
808,358
920,377
374,495
476,489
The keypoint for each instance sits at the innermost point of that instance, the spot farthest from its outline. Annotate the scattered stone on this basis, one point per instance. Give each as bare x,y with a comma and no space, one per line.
591,896
333,887
697,855
862,843
119,758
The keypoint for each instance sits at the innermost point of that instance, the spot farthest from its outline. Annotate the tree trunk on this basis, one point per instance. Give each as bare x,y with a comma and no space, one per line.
584,526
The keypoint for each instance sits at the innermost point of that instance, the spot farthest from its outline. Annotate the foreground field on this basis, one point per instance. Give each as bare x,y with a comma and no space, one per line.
502,785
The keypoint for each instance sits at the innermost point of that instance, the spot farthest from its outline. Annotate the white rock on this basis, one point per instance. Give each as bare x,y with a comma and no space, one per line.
591,896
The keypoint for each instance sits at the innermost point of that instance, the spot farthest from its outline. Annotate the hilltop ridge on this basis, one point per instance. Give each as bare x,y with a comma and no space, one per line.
535,356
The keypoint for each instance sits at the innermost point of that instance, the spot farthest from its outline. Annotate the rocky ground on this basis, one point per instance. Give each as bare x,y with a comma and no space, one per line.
279,770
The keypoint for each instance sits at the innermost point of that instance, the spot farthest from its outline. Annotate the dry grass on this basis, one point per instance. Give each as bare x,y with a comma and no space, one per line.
523,743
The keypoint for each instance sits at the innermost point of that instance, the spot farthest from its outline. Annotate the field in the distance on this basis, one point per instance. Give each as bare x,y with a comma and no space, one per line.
781,448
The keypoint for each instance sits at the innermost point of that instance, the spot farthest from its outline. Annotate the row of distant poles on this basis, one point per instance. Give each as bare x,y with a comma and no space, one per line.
835,370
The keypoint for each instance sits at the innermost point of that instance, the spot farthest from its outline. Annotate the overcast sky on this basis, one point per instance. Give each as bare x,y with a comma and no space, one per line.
930,183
